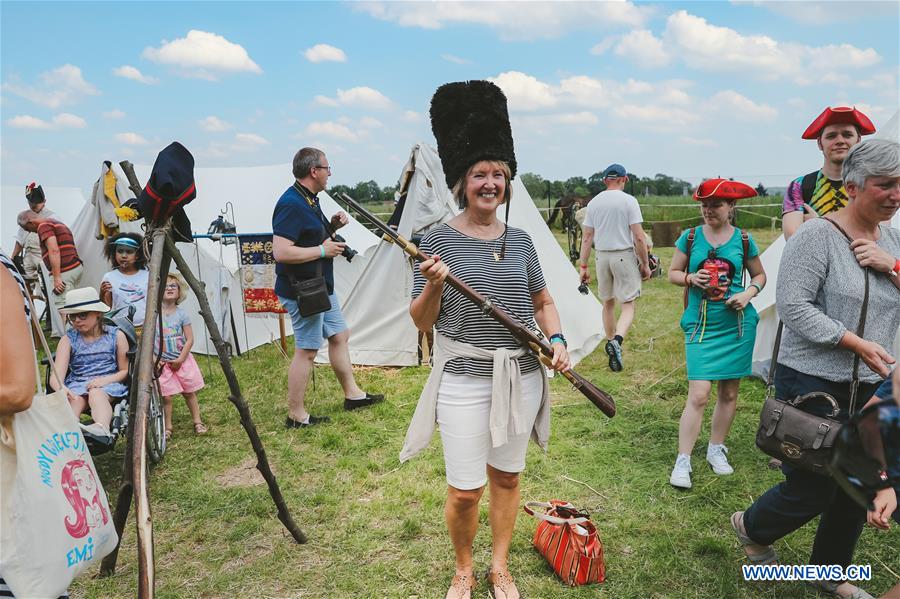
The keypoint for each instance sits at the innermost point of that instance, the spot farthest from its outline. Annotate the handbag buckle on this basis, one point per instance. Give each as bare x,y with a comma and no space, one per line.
791,450
820,435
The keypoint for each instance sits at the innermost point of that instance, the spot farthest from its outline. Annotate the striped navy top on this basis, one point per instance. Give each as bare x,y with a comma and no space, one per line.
509,284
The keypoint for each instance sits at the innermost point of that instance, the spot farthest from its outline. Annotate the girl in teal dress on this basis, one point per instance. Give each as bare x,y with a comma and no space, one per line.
719,323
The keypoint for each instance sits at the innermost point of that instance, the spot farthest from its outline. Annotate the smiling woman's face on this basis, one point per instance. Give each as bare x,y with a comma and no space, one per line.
485,186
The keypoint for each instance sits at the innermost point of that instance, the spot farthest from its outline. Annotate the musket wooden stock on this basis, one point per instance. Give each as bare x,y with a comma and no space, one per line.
523,334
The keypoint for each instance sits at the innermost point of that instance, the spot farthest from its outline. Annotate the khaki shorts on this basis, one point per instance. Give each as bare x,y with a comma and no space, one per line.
618,275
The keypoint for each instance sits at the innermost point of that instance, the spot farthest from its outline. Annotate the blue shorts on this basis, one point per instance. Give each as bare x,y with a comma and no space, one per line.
886,390
309,332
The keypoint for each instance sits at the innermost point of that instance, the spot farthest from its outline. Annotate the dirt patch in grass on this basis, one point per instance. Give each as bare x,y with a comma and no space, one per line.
244,474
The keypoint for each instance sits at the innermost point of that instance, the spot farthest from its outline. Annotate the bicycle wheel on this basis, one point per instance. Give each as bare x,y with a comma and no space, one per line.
156,426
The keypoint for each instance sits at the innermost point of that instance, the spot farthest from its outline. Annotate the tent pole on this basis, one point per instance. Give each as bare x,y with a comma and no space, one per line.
205,330
235,396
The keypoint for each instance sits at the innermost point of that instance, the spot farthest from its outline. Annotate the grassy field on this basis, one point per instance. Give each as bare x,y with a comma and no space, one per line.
376,528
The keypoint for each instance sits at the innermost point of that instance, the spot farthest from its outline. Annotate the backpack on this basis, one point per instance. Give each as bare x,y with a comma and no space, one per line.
745,246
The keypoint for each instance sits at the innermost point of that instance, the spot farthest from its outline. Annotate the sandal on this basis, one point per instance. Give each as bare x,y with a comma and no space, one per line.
200,428
766,557
500,584
829,588
461,586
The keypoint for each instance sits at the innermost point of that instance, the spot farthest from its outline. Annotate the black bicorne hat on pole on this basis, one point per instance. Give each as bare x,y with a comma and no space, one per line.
470,122
34,193
169,189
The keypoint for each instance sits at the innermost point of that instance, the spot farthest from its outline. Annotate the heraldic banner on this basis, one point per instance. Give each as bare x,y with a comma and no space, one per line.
258,275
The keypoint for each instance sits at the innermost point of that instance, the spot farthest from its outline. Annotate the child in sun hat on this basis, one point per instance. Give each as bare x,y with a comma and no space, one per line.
180,372
93,358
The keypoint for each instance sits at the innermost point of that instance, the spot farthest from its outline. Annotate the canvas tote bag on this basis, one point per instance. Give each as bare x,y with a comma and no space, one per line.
55,520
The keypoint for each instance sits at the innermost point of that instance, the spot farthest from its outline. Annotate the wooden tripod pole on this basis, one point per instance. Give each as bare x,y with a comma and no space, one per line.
159,268
236,398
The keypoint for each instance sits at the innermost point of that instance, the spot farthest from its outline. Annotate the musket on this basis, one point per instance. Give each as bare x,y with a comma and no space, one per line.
522,333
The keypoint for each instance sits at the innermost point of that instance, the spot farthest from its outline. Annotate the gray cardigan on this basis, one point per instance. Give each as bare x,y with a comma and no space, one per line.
819,297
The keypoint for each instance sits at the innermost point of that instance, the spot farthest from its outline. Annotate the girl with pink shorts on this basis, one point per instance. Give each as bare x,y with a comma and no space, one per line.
179,373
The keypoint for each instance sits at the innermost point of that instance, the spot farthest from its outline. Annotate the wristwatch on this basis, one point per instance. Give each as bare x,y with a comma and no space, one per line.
558,337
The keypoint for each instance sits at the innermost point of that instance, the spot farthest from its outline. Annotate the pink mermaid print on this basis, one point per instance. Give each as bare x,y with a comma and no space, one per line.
83,493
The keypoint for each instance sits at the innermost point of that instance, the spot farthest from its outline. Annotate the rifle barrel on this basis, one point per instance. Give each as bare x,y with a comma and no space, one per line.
526,337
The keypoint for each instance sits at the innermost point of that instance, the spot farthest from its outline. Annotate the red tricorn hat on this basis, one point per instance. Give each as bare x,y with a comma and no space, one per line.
723,189
839,115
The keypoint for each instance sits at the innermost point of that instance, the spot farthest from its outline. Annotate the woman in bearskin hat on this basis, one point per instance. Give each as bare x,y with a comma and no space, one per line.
487,393
719,323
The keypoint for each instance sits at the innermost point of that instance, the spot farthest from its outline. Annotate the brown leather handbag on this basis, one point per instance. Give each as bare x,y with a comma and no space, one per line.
793,435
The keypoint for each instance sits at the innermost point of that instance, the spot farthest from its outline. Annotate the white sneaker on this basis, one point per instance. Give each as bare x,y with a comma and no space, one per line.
96,429
681,473
715,455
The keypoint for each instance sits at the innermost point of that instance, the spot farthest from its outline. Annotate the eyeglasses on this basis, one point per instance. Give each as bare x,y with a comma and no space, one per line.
172,286
79,315
328,168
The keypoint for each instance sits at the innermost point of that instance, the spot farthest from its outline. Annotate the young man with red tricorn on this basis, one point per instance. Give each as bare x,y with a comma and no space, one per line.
820,192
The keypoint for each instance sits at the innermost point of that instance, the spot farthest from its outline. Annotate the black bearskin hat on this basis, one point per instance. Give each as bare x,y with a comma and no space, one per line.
471,123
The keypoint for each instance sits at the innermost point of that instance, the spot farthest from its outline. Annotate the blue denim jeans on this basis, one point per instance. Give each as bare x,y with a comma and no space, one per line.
803,495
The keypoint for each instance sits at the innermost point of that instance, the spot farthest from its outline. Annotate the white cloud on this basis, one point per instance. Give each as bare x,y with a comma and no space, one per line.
411,116
63,120
203,55
604,45
701,142
705,46
643,49
798,103
359,97
250,140
511,20
823,13
214,124
882,81
330,129
662,117
740,107
324,53
114,114
131,139
524,92
368,122
573,118
130,72
455,59
63,85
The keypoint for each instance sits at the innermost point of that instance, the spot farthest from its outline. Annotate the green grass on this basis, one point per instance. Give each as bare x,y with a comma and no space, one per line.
376,528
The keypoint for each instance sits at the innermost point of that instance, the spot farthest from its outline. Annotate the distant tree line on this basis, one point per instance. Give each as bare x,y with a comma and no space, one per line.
366,191
657,185
540,188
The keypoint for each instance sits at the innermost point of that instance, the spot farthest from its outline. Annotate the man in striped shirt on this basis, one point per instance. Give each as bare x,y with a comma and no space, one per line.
58,251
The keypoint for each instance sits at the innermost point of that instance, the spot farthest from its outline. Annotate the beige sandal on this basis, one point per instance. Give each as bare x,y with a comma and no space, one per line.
200,428
461,586
500,584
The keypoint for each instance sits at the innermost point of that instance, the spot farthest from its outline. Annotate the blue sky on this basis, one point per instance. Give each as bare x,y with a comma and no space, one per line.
690,89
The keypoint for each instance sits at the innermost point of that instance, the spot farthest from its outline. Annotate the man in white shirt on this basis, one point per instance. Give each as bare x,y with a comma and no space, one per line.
622,260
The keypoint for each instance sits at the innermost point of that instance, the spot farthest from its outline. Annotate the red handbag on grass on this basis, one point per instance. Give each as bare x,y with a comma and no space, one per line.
569,541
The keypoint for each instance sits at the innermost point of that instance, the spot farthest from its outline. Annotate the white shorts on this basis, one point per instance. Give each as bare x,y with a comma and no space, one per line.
463,415
618,275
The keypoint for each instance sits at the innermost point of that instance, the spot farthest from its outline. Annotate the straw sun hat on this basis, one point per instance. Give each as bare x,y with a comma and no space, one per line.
85,299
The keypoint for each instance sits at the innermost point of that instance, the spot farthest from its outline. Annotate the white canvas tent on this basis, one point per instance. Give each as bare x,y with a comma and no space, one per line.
376,307
771,258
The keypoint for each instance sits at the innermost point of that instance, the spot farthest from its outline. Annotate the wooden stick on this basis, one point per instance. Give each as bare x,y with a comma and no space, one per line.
281,332
159,268
236,398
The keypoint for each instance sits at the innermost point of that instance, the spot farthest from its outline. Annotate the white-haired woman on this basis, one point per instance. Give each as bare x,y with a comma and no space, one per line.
819,297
